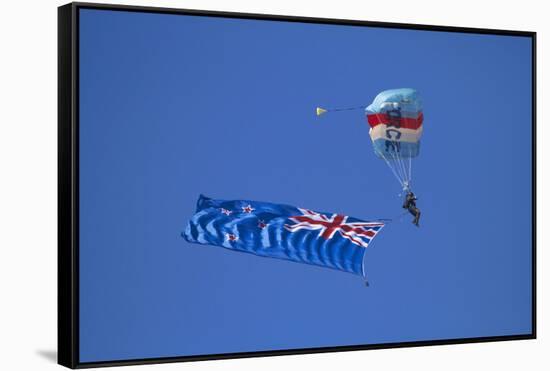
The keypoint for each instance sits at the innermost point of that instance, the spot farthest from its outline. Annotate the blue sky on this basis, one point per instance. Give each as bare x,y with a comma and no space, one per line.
174,106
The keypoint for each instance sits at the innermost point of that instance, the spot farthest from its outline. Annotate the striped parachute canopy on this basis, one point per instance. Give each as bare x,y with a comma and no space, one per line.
395,118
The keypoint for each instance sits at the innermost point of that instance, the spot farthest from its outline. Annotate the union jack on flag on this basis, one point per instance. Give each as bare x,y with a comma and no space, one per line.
359,233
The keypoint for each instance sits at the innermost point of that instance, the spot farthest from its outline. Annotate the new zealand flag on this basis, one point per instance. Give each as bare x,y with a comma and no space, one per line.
282,231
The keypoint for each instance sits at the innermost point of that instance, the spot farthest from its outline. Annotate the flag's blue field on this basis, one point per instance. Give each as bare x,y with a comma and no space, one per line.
175,106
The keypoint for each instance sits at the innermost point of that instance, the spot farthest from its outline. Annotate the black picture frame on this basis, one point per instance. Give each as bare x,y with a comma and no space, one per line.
68,182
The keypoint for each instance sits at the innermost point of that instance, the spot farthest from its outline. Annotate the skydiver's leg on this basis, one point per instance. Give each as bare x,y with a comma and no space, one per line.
416,213
417,217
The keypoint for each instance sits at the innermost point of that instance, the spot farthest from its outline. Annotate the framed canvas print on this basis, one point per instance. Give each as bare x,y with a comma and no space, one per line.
236,185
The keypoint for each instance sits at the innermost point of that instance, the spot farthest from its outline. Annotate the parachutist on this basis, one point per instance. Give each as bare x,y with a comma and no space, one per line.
410,204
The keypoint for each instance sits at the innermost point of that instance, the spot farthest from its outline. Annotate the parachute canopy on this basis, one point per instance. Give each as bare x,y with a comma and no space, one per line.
395,118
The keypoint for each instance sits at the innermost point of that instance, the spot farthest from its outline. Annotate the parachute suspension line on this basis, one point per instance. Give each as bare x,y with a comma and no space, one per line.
391,220
345,109
401,168
321,111
409,179
401,164
406,170
363,273
395,174
395,164
410,167
398,162
391,168
391,164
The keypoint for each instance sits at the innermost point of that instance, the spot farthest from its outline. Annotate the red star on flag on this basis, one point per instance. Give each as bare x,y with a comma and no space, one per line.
231,237
248,209
225,211
262,224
